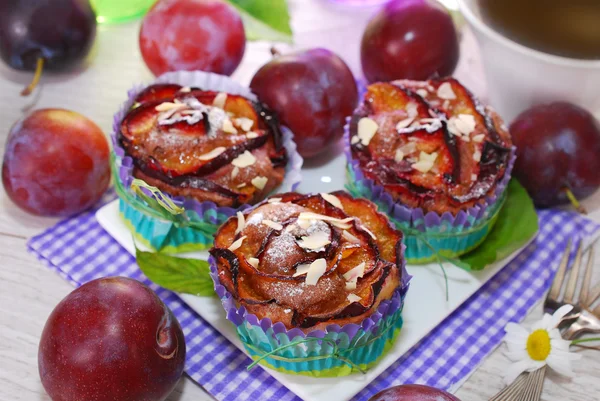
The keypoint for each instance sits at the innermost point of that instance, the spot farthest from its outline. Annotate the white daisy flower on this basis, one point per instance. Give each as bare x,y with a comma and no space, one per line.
541,345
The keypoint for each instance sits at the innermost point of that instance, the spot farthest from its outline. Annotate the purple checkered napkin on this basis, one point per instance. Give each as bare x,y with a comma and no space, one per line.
80,251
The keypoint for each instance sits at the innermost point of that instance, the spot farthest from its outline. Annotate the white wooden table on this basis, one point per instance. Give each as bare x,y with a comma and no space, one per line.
29,291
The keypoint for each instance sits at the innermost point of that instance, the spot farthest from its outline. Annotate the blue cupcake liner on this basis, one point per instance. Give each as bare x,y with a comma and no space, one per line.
428,235
203,218
333,352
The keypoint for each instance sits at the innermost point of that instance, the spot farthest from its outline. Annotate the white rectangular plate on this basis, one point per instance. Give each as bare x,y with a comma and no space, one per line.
425,304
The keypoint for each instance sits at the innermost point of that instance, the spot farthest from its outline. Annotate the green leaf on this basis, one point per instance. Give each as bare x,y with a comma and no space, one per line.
265,19
189,276
517,224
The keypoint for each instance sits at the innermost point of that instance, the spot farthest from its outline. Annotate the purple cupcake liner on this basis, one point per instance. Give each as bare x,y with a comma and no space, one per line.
204,81
239,315
416,216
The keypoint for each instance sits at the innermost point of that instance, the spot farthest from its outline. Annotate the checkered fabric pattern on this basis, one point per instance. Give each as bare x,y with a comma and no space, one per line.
80,251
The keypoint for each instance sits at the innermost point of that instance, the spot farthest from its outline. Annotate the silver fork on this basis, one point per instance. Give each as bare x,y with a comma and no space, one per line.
582,319
529,386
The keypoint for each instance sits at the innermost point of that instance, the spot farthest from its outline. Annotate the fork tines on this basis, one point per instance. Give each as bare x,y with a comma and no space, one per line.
583,298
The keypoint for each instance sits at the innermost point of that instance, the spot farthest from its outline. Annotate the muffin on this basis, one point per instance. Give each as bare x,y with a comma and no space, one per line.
202,143
299,267
435,159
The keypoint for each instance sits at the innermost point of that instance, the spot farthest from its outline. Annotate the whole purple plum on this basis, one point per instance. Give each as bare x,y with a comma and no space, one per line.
313,92
409,39
111,339
558,149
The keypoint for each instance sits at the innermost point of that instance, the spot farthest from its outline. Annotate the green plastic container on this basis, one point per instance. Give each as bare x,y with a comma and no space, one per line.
114,11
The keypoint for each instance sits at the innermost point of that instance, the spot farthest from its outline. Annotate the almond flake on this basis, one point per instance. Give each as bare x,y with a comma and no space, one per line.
242,185
304,224
477,156
446,104
228,127
479,138
465,123
235,172
350,285
333,200
465,138
422,92
241,222
251,135
244,123
315,271
301,269
428,156
260,182
368,231
212,154
399,156
236,245
290,228
340,223
354,140
350,237
316,240
166,106
409,148
220,99
355,273
244,160
274,225
428,120
353,298
412,110
452,128
473,177
367,128
404,123
254,262
445,91
274,200
287,310
185,89
423,166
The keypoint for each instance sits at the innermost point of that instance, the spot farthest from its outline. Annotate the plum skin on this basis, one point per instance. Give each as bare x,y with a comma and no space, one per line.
558,147
413,392
60,31
111,339
312,92
206,35
409,39
56,163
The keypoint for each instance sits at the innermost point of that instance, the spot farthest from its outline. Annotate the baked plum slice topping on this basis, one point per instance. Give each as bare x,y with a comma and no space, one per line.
180,148
267,258
411,140
423,140
157,92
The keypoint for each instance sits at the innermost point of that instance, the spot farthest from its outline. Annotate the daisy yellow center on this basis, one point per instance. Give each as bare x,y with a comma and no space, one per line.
538,345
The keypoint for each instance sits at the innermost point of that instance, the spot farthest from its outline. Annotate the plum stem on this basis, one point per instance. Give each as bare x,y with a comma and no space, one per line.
574,201
36,78
275,52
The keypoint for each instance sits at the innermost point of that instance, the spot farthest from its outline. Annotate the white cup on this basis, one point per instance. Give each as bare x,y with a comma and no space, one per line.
519,77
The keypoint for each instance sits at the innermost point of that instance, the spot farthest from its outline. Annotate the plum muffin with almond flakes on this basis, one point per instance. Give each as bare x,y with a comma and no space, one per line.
211,146
433,156
309,264
190,150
